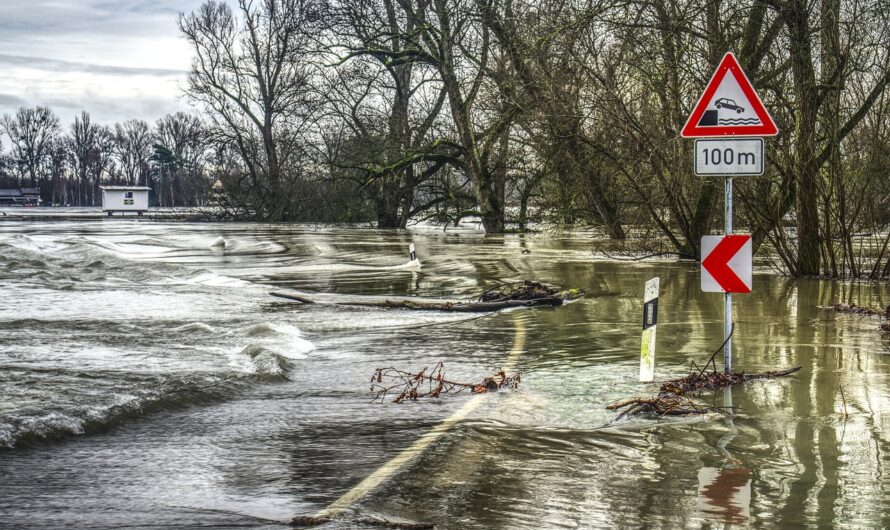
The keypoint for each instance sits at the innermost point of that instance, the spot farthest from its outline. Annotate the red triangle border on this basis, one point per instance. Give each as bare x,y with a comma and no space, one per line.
728,64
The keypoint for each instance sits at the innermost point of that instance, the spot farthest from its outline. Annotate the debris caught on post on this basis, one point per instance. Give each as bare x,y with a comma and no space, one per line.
423,384
673,398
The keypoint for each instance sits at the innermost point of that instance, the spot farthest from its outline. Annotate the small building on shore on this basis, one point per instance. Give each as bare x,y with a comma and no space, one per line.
20,197
125,199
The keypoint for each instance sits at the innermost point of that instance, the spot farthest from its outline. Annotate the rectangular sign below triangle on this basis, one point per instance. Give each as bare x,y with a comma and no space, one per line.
729,106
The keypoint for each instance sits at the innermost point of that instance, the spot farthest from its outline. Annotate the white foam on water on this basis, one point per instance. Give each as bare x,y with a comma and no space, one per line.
413,265
33,244
282,338
196,327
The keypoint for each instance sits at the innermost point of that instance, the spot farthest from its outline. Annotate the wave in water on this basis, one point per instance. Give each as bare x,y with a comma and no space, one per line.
23,427
283,339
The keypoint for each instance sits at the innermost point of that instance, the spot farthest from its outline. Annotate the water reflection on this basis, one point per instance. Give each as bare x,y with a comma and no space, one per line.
724,494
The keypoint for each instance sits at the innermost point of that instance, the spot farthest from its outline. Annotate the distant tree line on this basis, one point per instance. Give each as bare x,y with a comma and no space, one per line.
522,111
69,166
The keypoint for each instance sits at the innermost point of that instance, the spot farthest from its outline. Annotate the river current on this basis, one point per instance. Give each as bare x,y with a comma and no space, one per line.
147,378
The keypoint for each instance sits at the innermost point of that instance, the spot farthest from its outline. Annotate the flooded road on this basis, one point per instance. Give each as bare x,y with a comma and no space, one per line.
148,379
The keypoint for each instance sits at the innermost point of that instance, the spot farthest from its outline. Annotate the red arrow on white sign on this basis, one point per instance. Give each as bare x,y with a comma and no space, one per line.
726,264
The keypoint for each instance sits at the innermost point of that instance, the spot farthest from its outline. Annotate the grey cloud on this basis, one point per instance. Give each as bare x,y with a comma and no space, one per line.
24,20
55,65
7,100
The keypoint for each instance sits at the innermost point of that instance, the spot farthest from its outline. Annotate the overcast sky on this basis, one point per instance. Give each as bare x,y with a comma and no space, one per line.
115,59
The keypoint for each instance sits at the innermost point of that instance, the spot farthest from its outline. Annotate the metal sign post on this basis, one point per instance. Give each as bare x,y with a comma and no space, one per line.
727,297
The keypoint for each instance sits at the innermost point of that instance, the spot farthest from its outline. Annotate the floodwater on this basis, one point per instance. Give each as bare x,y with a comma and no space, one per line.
147,379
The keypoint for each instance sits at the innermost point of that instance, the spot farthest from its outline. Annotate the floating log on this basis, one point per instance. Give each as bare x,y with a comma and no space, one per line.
505,296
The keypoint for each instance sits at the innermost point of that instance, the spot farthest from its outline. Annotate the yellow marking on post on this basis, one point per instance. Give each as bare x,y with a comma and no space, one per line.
388,469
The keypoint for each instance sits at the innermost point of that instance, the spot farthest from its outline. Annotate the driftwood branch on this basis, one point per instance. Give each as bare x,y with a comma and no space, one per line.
413,386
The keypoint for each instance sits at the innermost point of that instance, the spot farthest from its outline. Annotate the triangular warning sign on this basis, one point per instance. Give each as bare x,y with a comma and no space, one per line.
729,106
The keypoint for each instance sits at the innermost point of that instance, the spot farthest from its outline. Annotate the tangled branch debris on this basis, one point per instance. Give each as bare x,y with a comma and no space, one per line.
528,290
665,403
423,384
673,398
713,380
854,309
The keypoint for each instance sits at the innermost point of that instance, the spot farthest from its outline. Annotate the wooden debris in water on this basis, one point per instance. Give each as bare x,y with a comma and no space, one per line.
713,380
854,309
413,386
673,396
528,290
666,403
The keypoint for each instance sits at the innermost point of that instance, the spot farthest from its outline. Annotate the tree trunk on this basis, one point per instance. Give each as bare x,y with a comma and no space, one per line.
806,167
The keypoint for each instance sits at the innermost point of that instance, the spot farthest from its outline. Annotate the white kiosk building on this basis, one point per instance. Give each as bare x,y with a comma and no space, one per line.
124,199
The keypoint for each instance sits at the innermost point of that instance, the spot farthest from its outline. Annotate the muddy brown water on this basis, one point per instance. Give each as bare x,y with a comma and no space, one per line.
148,379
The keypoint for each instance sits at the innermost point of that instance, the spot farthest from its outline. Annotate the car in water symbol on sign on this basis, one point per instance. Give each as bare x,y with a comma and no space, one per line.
729,104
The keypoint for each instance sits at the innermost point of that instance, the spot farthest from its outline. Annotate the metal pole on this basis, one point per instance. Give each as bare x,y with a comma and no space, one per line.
727,297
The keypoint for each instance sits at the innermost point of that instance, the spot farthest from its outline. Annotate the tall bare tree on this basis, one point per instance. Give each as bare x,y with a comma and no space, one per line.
179,154
132,148
250,72
31,132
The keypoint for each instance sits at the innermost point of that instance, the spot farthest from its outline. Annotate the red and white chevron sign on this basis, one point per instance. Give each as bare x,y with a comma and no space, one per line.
726,264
